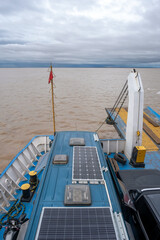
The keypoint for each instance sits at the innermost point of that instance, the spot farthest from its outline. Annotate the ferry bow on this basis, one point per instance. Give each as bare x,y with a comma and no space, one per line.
73,185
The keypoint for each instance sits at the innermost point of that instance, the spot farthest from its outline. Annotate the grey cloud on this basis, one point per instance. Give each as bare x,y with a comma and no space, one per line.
76,32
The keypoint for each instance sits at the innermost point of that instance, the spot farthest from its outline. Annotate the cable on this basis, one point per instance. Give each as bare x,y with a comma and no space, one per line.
17,208
100,125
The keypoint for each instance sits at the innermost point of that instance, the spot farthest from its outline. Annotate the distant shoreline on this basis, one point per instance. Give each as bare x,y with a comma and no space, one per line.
46,65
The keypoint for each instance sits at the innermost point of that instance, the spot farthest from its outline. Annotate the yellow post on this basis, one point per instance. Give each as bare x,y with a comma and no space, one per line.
54,128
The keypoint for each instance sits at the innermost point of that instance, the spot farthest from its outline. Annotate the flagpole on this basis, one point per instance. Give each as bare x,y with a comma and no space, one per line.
54,127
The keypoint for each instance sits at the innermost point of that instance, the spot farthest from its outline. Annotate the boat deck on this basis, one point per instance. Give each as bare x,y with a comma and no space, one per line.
150,138
151,128
152,161
48,202
56,177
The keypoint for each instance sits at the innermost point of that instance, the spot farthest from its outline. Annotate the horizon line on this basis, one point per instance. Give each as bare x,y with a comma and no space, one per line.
71,65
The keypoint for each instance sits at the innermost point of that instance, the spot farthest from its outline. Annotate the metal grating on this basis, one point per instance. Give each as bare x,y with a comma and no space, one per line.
76,224
86,165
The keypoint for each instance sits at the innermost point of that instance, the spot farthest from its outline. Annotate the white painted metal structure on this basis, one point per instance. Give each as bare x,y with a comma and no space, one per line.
113,145
135,113
9,181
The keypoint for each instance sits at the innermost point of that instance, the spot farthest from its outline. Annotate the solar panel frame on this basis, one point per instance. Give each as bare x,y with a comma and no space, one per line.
76,223
89,173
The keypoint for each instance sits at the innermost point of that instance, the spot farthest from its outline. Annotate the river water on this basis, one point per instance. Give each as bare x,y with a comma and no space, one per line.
81,96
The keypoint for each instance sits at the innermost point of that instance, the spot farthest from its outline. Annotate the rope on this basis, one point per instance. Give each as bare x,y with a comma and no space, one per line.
121,105
34,185
122,97
17,208
119,98
100,125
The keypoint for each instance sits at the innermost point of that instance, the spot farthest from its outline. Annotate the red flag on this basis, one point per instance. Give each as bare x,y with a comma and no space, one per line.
50,76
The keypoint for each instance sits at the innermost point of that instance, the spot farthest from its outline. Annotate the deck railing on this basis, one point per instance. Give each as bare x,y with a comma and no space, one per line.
113,145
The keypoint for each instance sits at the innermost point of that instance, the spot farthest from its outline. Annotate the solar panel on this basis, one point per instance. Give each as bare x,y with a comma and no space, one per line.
76,224
86,165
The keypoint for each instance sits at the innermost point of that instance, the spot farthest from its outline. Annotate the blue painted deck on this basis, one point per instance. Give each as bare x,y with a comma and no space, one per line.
152,158
152,113
28,206
56,177
152,161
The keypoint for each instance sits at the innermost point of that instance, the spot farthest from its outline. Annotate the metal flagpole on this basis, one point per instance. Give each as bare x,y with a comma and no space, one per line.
51,80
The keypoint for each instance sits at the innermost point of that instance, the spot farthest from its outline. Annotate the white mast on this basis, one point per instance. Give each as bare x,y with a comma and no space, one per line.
135,113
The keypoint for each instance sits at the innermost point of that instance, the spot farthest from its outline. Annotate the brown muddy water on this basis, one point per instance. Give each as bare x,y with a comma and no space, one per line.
81,95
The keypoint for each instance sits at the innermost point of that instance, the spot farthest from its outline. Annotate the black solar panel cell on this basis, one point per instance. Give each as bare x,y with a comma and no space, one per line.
76,224
86,165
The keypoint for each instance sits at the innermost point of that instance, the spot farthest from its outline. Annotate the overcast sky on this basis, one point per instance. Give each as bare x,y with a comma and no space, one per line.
107,32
